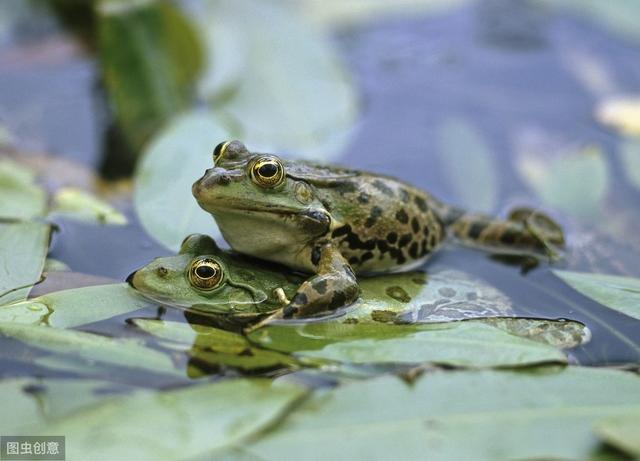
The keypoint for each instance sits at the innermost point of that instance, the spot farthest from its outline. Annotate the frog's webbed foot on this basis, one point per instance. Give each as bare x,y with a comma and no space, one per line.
333,286
525,231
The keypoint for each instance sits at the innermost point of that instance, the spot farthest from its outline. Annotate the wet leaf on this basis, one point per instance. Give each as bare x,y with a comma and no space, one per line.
20,197
630,156
623,114
91,347
575,182
468,163
176,424
151,78
171,164
214,347
293,93
468,344
78,306
77,204
614,291
623,432
24,248
479,415
29,401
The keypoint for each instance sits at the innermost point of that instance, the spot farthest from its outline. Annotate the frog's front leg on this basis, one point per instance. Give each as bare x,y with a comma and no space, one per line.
333,286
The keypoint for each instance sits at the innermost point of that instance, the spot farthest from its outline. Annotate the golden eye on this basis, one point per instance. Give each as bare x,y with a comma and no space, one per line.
218,152
267,171
205,273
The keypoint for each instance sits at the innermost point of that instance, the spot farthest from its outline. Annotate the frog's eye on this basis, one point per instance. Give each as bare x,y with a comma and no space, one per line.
218,152
205,273
267,171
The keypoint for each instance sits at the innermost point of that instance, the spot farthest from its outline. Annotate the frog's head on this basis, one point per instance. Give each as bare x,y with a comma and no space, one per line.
261,203
201,277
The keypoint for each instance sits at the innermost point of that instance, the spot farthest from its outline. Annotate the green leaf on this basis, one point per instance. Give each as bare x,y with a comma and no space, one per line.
171,164
467,162
78,306
630,156
214,347
575,182
292,93
80,205
20,197
91,347
468,344
24,249
176,424
474,415
614,291
623,432
151,78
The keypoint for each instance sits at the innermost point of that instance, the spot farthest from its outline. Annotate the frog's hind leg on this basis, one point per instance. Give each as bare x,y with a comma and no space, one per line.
525,231
333,286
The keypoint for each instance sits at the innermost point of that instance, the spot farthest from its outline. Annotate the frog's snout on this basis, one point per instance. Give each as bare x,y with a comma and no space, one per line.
130,277
215,177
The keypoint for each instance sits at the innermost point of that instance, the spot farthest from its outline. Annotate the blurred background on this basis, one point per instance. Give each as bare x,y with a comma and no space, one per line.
486,104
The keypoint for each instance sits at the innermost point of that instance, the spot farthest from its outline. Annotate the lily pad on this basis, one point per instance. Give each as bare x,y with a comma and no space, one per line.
20,197
176,424
467,162
171,164
151,78
479,415
293,93
575,182
212,347
622,432
80,205
91,347
24,249
614,291
78,306
466,344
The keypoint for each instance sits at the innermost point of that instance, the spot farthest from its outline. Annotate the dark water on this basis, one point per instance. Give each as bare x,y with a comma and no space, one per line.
498,65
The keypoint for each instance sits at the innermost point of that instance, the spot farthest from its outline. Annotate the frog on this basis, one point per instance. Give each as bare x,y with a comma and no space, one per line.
238,294
336,223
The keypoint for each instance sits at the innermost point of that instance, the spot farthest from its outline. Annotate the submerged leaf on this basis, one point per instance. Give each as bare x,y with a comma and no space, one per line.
78,306
469,344
292,93
622,432
78,204
20,197
171,164
575,182
176,424
468,163
614,291
479,415
24,248
151,78
91,347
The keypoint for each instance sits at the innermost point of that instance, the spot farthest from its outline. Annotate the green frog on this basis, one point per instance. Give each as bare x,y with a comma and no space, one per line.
238,293
335,222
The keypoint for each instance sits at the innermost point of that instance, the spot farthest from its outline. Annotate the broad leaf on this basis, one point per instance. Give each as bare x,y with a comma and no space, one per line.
616,292
622,432
91,347
171,164
20,197
150,79
291,91
80,205
468,344
24,248
78,306
468,163
177,424
479,415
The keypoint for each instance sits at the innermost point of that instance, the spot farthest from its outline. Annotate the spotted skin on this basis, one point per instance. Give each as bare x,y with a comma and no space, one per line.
333,222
